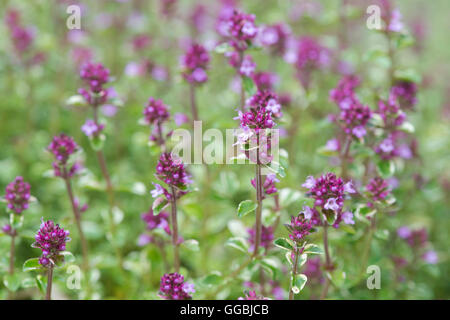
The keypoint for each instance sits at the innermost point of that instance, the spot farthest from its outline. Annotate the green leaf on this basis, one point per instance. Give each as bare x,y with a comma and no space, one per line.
404,41
32,264
337,277
212,279
272,265
298,283
288,196
28,283
312,249
302,260
408,75
223,47
288,256
324,151
237,228
246,207
284,243
238,243
12,281
117,215
191,245
97,142
407,127
382,234
15,220
41,283
76,101
277,168
249,86
347,228
68,256
159,204
386,168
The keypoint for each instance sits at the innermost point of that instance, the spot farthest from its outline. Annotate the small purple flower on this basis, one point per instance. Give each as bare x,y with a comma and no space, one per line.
22,38
90,128
312,215
313,269
194,63
328,191
51,239
240,29
404,232
418,238
309,183
390,112
275,37
173,287
144,239
347,217
251,295
354,116
180,118
266,99
172,171
257,118
62,147
95,75
160,221
265,80
333,145
430,257
344,89
406,92
310,56
299,228
269,186
156,112
17,195
140,42
331,204
266,237
247,67
378,189
395,23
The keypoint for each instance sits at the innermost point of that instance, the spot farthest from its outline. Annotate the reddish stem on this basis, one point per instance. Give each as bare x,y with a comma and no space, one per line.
176,253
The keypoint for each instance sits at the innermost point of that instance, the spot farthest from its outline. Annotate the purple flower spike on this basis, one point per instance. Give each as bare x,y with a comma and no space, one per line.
266,237
247,67
269,186
172,171
51,239
194,64
62,147
173,287
299,228
241,29
156,112
159,221
17,195
95,75
406,92
90,128
378,189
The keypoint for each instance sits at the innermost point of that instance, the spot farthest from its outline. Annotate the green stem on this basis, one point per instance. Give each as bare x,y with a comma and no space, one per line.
12,252
294,272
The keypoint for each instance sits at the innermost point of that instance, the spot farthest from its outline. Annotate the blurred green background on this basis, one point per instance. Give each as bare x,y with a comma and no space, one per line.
33,109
